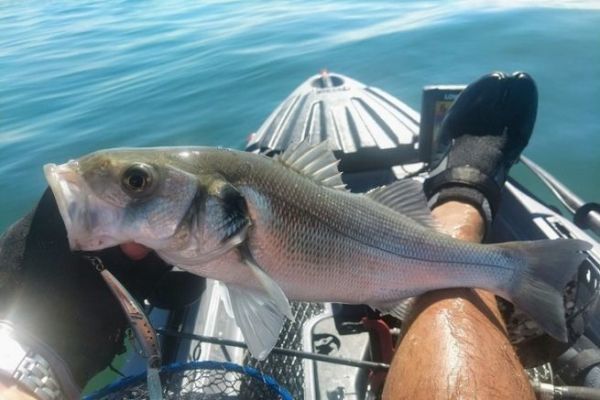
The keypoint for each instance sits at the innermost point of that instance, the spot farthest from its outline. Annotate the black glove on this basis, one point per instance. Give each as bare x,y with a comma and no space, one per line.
58,297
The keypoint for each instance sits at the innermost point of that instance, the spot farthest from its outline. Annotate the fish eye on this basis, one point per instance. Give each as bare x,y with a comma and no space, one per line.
137,179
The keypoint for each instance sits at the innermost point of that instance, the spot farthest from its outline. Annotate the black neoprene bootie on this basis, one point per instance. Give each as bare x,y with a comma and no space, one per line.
489,125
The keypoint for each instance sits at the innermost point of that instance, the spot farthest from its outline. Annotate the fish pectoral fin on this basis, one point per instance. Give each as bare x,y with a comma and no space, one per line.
260,312
258,317
224,295
269,286
405,196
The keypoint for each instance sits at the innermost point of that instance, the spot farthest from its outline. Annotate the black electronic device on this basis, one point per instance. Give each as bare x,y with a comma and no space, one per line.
436,101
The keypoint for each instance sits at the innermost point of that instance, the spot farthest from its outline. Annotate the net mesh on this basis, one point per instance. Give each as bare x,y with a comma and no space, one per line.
280,376
206,380
288,370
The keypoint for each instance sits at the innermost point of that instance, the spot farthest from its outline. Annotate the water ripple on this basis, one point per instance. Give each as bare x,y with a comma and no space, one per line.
78,76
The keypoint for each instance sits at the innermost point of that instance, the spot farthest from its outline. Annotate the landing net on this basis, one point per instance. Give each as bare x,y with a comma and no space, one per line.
199,380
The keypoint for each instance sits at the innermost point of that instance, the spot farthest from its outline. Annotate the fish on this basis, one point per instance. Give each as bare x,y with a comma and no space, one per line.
285,228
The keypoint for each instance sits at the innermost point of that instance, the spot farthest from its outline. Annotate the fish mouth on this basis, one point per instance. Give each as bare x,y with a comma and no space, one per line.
72,199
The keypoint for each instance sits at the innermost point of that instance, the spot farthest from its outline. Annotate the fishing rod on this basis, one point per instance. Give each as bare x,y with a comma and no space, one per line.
585,215
278,350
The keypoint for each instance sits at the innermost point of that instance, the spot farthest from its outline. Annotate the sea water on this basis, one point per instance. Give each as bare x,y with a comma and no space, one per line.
77,76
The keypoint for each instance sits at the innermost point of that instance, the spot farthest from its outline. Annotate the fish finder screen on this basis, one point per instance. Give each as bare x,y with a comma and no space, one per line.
441,109
436,102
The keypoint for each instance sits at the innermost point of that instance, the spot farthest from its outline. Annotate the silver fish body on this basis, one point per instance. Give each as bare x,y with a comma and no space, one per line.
272,229
323,244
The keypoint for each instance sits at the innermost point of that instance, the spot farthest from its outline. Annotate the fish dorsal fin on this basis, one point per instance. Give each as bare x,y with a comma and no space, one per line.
315,161
406,197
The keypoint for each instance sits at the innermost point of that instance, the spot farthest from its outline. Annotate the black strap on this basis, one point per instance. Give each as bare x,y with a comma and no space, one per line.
465,176
582,362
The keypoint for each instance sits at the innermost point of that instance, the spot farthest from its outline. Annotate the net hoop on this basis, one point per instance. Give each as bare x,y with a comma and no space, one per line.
130,381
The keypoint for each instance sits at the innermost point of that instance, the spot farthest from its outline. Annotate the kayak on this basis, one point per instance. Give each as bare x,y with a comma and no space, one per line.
342,351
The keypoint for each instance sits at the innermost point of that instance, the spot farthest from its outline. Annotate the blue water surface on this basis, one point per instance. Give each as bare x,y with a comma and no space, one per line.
79,76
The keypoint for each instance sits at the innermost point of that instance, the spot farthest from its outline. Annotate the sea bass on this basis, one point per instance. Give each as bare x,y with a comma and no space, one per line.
285,228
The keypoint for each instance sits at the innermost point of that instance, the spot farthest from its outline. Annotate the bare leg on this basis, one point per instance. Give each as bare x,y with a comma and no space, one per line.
455,346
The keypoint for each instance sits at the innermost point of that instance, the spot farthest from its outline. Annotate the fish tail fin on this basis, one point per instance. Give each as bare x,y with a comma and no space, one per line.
548,266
